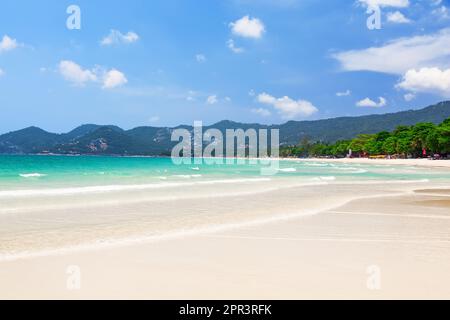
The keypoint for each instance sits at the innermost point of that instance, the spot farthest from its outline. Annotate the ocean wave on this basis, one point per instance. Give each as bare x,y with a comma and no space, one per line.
32,175
316,164
351,170
288,170
118,188
187,176
178,234
329,178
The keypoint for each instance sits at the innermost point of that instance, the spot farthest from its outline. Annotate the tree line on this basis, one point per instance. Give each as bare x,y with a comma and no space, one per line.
420,140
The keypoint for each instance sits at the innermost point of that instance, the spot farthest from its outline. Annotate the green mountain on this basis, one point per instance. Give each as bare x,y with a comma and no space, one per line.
332,130
111,140
28,140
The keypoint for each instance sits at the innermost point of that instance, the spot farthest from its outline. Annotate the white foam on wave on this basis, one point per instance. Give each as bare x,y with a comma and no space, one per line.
329,178
288,170
32,175
351,170
117,188
187,176
179,234
103,204
316,164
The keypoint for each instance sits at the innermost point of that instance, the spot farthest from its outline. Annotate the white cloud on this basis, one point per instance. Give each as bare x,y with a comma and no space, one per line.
397,17
114,78
200,58
409,97
287,107
400,55
428,80
344,93
442,12
191,95
262,112
2,73
232,47
8,44
72,72
369,103
212,100
78,76
116,37
248,27
385,3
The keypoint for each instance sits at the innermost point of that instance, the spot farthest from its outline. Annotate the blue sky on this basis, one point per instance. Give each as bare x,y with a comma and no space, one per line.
163,63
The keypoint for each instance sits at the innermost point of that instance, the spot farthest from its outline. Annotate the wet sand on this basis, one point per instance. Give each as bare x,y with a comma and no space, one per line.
391,247
408,162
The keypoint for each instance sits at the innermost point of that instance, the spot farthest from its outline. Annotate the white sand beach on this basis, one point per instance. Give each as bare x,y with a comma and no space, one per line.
407,162
264,240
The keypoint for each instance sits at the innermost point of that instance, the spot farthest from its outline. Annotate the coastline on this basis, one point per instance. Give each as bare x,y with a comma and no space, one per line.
290,253
327,256
310,232
407,162
416,162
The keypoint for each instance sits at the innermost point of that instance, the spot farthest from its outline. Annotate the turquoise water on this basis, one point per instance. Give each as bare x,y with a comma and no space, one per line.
53,204
29,172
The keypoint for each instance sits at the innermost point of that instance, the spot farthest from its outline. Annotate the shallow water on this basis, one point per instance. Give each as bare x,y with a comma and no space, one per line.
28,172
51,204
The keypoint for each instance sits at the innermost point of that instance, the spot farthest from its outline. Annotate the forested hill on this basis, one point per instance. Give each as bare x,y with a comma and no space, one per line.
112,140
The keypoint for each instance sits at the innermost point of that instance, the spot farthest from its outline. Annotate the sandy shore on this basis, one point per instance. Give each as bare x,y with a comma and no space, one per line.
374,248
408,162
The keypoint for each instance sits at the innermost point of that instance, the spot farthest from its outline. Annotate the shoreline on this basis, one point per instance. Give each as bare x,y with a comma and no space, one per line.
408,162
322,256
422,162
189,233
275,239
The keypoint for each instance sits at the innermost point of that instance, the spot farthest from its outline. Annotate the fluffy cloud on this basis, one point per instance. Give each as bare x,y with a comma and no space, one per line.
409,97
442,13
232,47
212,100
200,58
73,72
262,112
385,3
397,17
428,80
369,103
78,76
344,93
114,78
248,27
287,107
8,44
400,55
116,37
2,73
